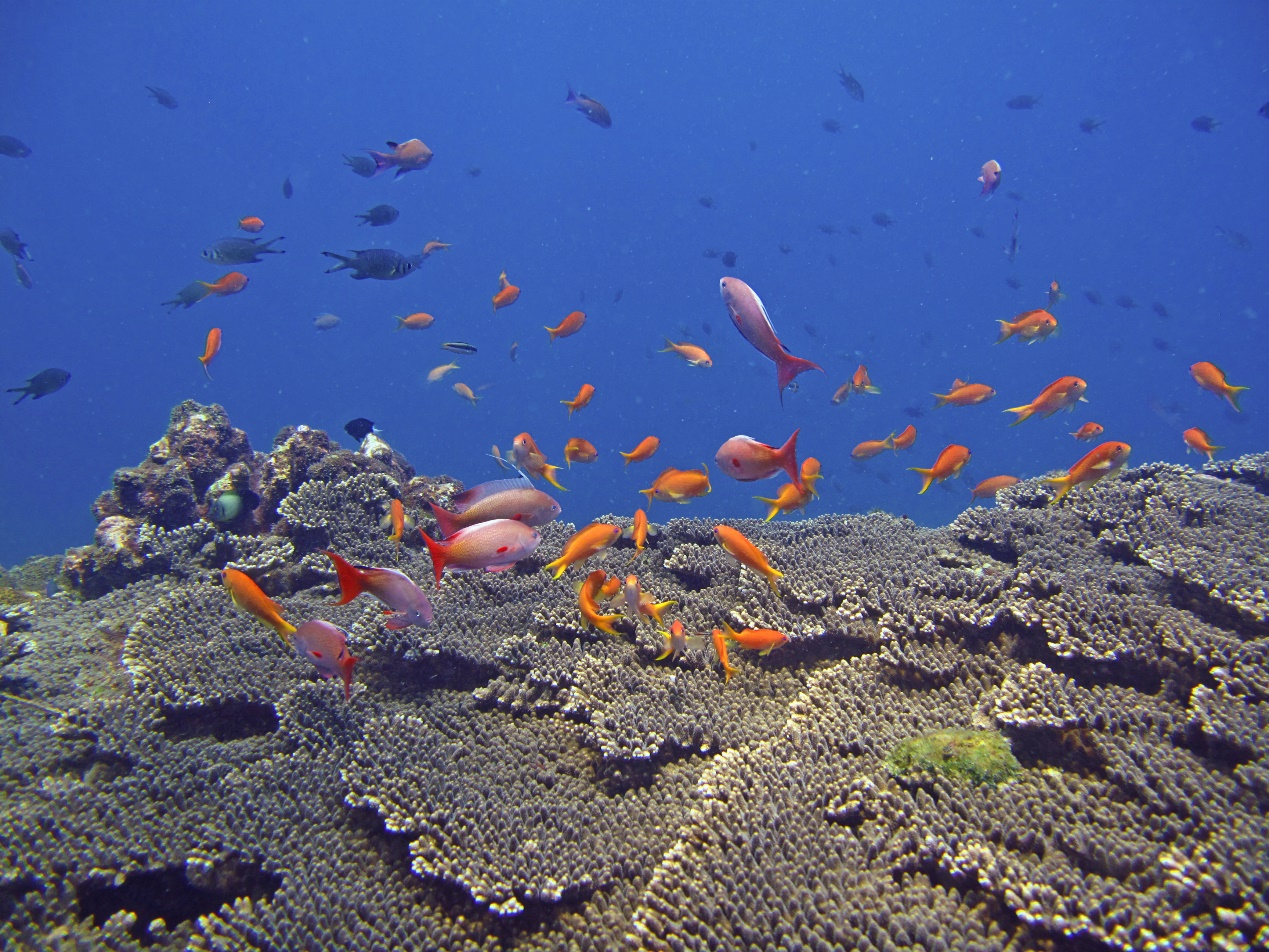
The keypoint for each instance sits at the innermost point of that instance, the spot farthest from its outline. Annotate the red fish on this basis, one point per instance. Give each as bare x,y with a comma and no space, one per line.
251,224
409,156
647,446
1061,394
639,603
964,394
905,439
578,450
396,512
745,459
584,543
870,448
991,486
567,327
949,464
638,532
677,641
1195,439
507,292
859,382
532,460
990,177
406,601
679,485
1212,379
592,109
746,553
1089,431
695,356
788,498
514,499
589,608
720,648
750,317
246,595
327,647
584,393
492,546
1099,462
210,350
762,640
1030,326
231,283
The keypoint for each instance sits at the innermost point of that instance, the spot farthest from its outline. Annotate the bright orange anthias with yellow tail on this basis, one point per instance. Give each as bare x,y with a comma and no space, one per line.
992,485
1212,379
679,485
647,446
747,554
530,459
948,465
761,640
1061,394
1198,441
964,394
789,497
584,543
587,603
507,294
859,382
1029,326
567,327
1098,463
639,603
720,649
583,398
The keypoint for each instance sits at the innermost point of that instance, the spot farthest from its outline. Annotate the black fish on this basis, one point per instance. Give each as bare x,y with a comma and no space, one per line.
729,259
1161,344
189,295
978,232
705,201
359,428
785,249
473,171
379,215
1013,282
1235,238
826,229
162,97
915,412
240,250
1091,124
1263,111
928,259
383,264
362,165
42,384
14,148
22,274
1159,309
1203,124
850,84
1125,302
287,188
1025,101
617,297
459,347
831,125
1092,297
882,220
592,109
11,243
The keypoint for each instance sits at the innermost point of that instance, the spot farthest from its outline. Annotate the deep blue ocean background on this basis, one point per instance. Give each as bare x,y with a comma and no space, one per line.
725,101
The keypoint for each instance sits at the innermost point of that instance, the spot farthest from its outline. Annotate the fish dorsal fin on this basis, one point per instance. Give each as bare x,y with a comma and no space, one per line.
958,383
465,500
393,145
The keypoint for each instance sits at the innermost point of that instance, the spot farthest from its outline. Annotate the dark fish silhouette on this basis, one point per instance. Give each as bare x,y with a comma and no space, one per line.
14,148
1011,249
1235,238
1091,125
42,384
831,125
240,250
1025,101
379,215
850,84
1159,309
827,229
728,258
11,243
1263,111
705,201
1013,282
882,220
1092,297
362,165
359,428
592,109
287,188
22,274
473,171
382,264
1125,302
189,295
1203,124
163,97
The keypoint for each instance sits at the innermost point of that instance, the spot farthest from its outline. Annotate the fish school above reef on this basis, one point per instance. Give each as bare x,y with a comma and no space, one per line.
1041,726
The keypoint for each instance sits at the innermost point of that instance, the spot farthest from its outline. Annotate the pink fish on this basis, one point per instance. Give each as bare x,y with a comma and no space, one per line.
406,600
327,647
499,499
745,459
990,177
492,546
751,319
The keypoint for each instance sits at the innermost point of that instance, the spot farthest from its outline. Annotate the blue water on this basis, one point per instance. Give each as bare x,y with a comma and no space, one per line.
725,101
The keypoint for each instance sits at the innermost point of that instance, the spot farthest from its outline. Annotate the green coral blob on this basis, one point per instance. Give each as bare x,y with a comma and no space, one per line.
976,756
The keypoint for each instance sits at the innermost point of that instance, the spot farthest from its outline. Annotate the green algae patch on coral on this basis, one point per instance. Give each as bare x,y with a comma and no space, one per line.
981,757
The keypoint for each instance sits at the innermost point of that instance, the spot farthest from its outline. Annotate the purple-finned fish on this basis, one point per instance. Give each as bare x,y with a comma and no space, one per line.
750,318
326,646
514,498
395,589
592,109
487,546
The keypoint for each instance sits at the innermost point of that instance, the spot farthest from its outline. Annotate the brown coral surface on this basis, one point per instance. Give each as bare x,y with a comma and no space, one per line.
175,777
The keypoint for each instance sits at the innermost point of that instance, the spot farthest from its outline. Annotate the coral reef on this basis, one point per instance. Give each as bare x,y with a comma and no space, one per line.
177,778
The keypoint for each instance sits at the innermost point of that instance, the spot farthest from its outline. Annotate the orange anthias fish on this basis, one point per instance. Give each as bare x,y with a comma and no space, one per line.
647,446
582,399
532,460
432,247
638,532
679,485
246,595
811,475
745,459
584,543
1055,293
750,318
788,498
1030,326
409,156
638,602
251,224
326,646
567,327
415,322
964,394
507,292
949,464
859,382
905,439
870,448
231,283
991,486
747,554
466,393
695,356
761,640
577,450
1212,379
720,649
587,605
1100,461
1198,441
1089,431
397,513
210,350
990,177
1061,394
677,641
492,546
405,600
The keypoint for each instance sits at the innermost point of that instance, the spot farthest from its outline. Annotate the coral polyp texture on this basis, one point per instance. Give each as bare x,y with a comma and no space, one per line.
1041,726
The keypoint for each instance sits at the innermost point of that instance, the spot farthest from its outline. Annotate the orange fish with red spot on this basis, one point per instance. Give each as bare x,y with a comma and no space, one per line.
532,460
507,293
492,546
870,448
1089,431
1098,463
964,394
948,465
584,543
1212,379
859,382
1198,441
746,553
1029,326
578,450
231,283
745,459
567,327
991,486
905,439
679,485
647,446
1061,394
761,640
247,596
210,349
251,224
582,399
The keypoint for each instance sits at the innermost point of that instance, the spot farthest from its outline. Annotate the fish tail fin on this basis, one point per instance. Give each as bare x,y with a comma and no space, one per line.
1024,413
276,251
446,521
772,574
437,552
572,96
729,633
345,674
351,581
1231,394
941,399
382,160
557,567
205,362
789,367
888,443
548,473
927,477
650,493
1006,331
773,507
551,331
344,262
788,456
1064,484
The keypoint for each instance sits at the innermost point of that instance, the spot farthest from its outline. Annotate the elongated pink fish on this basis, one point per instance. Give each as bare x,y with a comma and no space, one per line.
395,589
327,647
500,499
492,546
750,318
